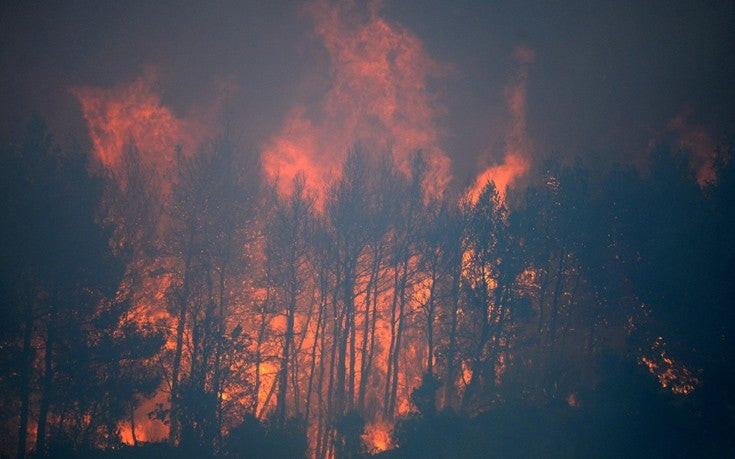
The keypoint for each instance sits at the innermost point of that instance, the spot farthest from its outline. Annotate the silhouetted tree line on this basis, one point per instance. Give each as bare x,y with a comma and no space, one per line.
586,314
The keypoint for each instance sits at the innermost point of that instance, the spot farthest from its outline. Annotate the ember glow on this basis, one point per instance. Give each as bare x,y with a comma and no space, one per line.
335,229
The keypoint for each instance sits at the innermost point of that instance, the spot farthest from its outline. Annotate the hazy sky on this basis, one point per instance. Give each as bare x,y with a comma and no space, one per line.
606,77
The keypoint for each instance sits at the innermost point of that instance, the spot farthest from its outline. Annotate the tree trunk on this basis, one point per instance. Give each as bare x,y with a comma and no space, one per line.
25,385
47,381
351,380
389,363
450,392
285,361
217,383
368,333
320,314
176,367
555,301
399,334
174,415
349,298
337,324
132,424
430,320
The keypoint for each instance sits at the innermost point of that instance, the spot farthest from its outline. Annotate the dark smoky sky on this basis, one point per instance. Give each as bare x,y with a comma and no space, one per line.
607,78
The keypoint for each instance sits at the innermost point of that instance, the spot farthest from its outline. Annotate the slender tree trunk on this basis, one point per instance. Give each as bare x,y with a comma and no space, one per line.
258,361
555,301
349,298
373,326
132,424
295,370
62,418
399,334
592,329
339,395
174,416
180,326
389,363
351,380
568,316
217,383
285,361
485,330
324,319
450,392
337,324
368,332
259,348
500,294
317,333
268,398
541,300
364,349
320,382
542,329
25,383
47,380
430,320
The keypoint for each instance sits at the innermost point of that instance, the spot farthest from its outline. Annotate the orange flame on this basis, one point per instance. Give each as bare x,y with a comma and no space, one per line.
378,98
503,175
377,437
146,429
671,374
518,145
133,116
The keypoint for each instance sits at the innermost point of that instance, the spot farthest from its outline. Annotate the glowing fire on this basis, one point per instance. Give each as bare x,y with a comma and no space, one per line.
377,437
670,373
146,429
503,175
518,145
131,116
378,99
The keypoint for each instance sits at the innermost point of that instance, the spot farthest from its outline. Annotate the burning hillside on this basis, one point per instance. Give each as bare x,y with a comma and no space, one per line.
343,282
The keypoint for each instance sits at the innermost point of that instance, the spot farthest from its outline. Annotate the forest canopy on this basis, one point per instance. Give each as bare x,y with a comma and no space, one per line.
583,314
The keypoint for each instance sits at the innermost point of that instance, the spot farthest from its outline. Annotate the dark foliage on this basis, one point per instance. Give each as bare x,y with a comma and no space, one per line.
587,315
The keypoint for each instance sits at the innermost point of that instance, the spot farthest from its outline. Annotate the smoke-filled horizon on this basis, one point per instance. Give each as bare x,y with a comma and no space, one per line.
604,80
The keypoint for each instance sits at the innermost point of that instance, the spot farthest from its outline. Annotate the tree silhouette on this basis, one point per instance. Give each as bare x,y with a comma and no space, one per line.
586,314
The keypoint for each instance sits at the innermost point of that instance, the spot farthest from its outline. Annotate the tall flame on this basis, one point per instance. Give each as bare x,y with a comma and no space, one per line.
518,145
132,116
378,98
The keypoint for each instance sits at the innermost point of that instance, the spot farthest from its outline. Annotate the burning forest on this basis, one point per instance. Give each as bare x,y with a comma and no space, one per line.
288,257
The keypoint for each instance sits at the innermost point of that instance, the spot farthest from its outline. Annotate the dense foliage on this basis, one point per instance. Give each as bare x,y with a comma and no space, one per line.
586,314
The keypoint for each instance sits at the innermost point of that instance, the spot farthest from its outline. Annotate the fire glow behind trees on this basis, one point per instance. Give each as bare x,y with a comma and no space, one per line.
341,282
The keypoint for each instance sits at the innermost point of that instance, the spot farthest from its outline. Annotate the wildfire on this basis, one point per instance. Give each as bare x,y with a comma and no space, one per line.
252,302
132,116
670,373
518,145
146,429
378,98
503,175
377,437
